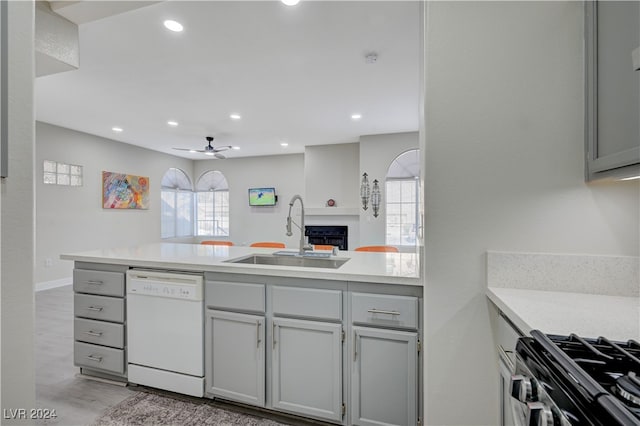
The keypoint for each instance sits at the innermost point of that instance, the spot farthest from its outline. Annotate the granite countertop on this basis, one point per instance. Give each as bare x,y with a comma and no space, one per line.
589,295
383,268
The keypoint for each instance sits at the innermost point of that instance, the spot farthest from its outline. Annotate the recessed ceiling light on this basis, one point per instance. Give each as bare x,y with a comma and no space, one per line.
173,25
193,151
236,147
284,144
235,116
290,2
356,116
116,129
172,123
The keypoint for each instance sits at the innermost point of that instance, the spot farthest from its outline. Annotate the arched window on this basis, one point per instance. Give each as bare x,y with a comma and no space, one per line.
212,205
402,186
177,204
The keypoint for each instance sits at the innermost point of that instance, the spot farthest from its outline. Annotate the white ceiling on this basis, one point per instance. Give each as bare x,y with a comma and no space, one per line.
294,74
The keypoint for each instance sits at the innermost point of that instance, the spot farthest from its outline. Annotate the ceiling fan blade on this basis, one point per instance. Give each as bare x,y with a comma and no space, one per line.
189,149
222,148
220,156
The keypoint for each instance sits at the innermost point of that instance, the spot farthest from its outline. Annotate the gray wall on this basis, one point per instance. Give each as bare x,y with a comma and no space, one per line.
249,224
17,219
376,154
503,171
71,219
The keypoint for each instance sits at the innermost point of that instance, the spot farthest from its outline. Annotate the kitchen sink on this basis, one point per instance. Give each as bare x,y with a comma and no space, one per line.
305,262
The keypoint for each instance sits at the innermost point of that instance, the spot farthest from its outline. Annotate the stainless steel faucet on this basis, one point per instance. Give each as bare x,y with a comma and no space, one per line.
303,247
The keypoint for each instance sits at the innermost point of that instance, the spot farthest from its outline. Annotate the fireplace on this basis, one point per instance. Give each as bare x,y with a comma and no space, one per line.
330,235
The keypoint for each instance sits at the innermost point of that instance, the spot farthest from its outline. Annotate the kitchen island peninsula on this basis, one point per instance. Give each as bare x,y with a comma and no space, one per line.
333,338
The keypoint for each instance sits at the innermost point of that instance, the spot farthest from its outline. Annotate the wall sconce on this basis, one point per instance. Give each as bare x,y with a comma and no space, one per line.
375,198
364,191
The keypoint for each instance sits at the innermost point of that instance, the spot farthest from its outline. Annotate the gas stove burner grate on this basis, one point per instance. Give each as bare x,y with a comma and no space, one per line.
628,387
596,372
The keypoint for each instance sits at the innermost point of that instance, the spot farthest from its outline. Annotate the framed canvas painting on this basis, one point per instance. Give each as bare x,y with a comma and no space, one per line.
123,191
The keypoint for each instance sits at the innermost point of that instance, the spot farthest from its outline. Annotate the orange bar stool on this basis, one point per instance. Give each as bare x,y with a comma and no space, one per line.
270,244
322,247
390,249
216,243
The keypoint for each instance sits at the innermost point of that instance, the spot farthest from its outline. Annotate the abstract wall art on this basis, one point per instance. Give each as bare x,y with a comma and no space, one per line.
122,191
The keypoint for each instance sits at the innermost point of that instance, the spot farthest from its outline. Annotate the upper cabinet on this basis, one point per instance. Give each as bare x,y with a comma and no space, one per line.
612,89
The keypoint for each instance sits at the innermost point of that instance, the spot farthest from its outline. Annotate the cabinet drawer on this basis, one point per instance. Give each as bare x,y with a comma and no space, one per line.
307,302
98,307
385,310
99,332
235,296
98,357
98,282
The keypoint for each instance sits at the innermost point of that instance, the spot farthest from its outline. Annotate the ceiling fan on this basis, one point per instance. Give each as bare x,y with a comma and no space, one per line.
209,149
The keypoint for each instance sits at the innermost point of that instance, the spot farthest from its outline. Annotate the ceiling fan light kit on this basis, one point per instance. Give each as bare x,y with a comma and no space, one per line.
209,149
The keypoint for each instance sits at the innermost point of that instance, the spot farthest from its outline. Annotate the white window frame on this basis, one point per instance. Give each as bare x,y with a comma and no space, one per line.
219,211
174,213
402,223
218,219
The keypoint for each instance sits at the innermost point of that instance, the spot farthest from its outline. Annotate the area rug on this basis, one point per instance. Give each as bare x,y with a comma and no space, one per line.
146,408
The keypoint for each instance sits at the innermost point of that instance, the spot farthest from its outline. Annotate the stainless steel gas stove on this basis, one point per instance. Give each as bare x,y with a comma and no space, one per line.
570,380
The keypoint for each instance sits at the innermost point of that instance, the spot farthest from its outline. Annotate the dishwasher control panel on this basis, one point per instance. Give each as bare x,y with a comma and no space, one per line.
174,286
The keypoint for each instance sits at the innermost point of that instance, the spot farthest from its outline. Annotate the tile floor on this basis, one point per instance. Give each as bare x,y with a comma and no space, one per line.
77,400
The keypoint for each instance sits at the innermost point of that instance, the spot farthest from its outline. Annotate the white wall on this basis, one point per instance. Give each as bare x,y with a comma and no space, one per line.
71,219
331,171
376,154
17,219
503,171
249,224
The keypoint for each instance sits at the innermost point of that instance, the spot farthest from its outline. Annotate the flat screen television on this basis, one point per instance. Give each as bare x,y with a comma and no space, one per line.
262,197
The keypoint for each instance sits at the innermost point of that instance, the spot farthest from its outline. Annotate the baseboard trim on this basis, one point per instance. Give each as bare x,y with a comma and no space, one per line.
46,285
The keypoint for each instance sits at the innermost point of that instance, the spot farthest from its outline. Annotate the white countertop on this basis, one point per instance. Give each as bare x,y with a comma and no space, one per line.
387,268
563,313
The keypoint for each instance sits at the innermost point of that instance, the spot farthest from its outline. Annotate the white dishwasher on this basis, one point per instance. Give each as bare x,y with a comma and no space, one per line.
165,331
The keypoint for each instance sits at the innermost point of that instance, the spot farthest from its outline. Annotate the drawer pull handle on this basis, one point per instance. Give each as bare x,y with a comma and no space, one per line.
380,311
95,282
94,308
94,358
94,333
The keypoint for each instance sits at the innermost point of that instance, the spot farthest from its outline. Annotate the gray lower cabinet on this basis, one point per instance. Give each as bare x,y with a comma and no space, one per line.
235,356
307,368
384,382
100,323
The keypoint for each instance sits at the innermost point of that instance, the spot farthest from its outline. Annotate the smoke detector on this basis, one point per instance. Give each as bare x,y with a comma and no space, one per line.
371,58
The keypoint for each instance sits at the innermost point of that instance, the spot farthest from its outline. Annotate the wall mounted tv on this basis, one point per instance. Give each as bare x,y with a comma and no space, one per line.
262,197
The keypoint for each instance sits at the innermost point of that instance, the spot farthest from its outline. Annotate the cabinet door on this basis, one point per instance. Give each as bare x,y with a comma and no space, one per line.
234,365
307,368
384,383
613,88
